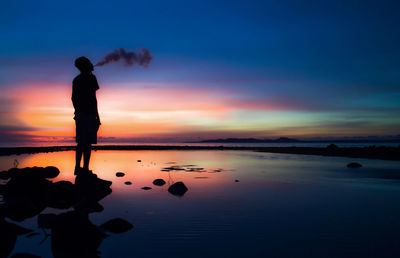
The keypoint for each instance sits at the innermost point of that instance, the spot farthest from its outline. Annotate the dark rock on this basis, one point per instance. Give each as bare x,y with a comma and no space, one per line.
63,195
332,147
236,180
50,172
88,205
95,207
32,234
354,165
46,220
195,170
128,182
117,226
146,188
139,160
8,236
171,168
24,255
21,209
91,190
159,182
27,193
120,174
5,175
178,189
73,235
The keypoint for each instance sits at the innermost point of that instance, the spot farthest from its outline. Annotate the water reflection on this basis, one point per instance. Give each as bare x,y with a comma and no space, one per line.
282,206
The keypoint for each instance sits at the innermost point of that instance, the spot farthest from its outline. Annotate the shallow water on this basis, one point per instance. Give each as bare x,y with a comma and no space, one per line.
283,205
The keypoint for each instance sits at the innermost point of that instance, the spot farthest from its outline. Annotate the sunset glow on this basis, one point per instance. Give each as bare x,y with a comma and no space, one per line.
261,70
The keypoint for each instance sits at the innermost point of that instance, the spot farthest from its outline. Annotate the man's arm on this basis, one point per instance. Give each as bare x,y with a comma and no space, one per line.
96,87
98,117
74,96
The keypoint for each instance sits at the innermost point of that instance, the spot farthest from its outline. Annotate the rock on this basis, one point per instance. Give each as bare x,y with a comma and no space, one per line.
24,255
159,182
178,189
236,180
354,165
46,220
117,225
32,234
332,147
146,188
171,168
120,174
25,194
50,172
8,236
128,182
74,235
139,160
63,195
5,174
195,170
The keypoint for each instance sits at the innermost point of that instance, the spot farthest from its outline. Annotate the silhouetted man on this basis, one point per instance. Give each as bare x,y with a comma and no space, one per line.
87,118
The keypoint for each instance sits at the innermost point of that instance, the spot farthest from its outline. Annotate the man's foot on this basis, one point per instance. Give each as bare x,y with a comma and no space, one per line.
77,171
88,172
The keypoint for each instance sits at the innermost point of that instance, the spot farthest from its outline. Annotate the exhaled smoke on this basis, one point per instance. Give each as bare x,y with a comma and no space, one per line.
143,57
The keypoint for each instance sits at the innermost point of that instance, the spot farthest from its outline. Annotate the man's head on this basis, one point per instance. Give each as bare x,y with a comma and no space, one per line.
83,64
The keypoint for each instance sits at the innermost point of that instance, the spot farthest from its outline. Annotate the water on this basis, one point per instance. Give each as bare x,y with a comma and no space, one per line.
280,144
283,205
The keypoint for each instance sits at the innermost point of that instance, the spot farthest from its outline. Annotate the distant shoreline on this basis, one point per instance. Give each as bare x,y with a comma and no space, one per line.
292,140
371,152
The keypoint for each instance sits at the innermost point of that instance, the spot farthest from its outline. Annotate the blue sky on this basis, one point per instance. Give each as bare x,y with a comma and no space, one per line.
334,62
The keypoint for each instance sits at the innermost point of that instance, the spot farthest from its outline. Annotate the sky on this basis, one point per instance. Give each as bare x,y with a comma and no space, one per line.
262,69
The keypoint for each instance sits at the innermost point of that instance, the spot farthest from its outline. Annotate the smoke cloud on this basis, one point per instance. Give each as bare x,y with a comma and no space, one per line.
143,57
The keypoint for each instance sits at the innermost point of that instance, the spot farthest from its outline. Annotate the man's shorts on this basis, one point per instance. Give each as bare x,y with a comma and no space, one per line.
86,129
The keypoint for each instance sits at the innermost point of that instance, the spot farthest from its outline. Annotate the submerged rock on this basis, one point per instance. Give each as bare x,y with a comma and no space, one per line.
146,188
8,236
159,182
117,225
172,168
128,182
46,220
5,174
178,189
354,165
74,235
236,180
63,195
24,255
120,174
26,194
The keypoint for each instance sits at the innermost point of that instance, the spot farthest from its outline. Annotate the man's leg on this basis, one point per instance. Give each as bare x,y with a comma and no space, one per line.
78,157
86,156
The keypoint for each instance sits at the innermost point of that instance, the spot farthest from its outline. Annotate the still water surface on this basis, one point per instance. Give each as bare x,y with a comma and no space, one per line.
283,205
